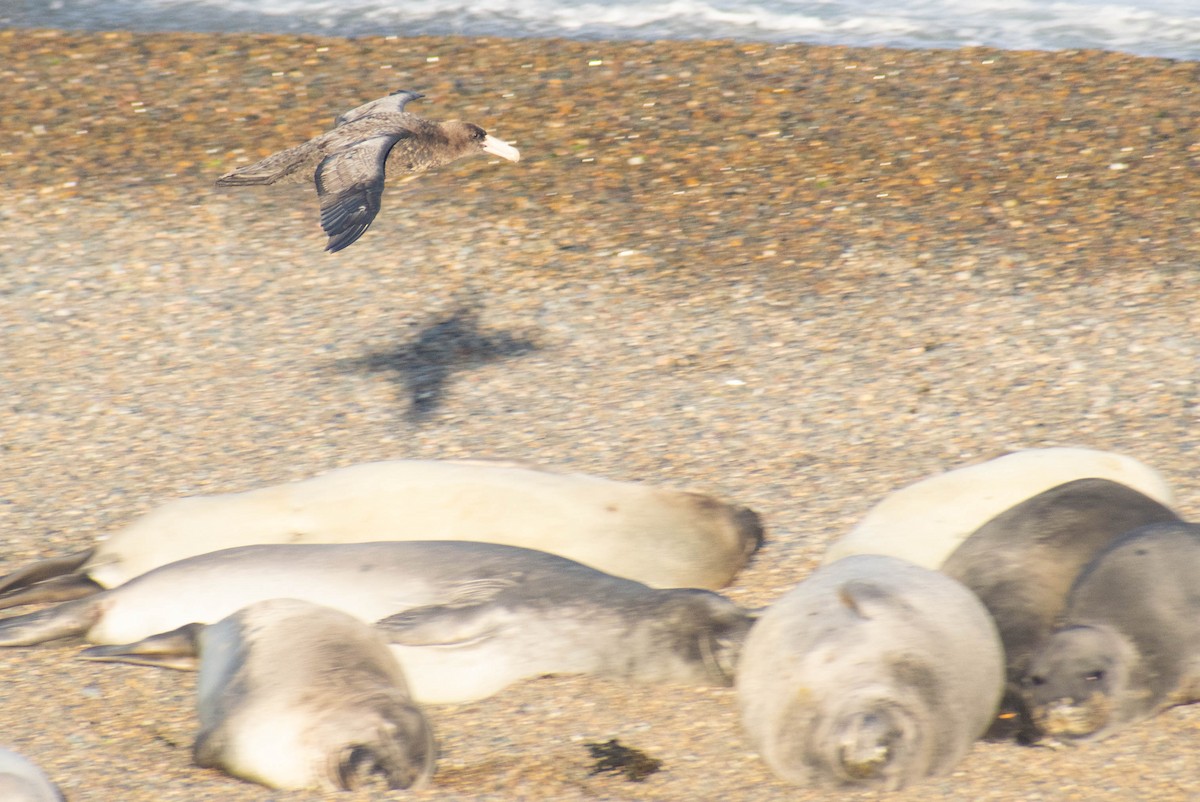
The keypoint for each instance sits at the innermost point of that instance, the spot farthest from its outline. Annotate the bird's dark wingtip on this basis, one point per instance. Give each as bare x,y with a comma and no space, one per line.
344,239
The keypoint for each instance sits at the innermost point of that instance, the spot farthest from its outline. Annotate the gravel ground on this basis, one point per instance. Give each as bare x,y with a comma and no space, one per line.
796,277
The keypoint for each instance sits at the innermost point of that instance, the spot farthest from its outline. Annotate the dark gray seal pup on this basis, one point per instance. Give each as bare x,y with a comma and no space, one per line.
295,695
656,535
926,521
349,162
1022,564
22,781
466,619
1129,643
872,672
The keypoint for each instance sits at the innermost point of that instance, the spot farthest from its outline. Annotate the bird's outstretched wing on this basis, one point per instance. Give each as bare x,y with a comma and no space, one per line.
349,188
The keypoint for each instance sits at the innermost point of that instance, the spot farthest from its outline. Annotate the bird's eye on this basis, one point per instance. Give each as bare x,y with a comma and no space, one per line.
1035,680
1094,676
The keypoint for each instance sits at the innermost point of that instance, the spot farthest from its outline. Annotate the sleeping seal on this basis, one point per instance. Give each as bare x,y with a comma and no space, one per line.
467,618
1129,644
295,695
1022,563
662,537
924,522
873,672
22,781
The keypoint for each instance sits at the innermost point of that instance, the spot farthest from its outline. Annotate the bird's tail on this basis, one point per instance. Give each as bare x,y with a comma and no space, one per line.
277,167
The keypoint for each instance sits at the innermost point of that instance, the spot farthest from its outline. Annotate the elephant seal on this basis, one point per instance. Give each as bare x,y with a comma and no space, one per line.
294,695
872,672
1022,563
466,618
1129,643
23,781
926,521
662,537
348,163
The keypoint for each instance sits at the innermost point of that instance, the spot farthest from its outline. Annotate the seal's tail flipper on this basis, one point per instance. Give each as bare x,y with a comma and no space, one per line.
57,589
67,619
176,649
44,569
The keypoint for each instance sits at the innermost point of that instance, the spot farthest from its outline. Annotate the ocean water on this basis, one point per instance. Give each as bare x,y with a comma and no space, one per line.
1165,28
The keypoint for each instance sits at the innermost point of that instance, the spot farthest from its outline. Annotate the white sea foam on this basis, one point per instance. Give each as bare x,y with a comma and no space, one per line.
1169,28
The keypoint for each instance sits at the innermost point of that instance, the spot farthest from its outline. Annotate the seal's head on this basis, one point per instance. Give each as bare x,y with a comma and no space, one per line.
874,745
1072,682
392,744
881,733
702,633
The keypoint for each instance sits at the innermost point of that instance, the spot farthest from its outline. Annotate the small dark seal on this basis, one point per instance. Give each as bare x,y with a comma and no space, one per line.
1129,645
1022,563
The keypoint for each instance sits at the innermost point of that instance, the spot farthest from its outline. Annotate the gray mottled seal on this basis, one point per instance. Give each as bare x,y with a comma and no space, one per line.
22,781
349,162
1129,643
1022,563
871,672
924,522
466,619
295,695
660,536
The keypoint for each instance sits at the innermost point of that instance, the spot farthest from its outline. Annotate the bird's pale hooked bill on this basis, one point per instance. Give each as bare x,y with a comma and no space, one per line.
498,147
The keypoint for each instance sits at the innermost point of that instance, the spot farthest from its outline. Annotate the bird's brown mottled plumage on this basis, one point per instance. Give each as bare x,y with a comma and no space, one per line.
349,162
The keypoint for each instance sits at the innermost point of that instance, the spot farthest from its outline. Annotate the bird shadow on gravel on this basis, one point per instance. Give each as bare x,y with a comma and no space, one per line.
448,344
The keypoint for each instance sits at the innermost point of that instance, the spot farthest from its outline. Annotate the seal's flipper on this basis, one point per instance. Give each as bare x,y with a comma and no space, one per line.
176,649
440,625
44,569
67,619
481,591
56,589
210,744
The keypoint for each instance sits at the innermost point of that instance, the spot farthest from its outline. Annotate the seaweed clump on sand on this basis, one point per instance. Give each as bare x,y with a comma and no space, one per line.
617,758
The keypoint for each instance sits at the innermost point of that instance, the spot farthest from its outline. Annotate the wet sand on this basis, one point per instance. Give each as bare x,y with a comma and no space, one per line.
796,277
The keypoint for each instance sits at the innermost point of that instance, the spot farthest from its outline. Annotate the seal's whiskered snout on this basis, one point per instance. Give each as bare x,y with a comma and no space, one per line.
382,762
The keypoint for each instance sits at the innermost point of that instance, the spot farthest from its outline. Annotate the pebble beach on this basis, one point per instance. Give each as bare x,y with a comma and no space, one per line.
795,277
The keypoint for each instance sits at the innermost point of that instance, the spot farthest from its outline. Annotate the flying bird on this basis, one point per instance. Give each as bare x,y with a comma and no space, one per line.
349,162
